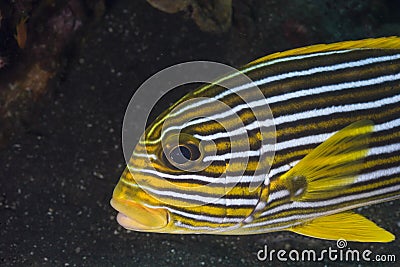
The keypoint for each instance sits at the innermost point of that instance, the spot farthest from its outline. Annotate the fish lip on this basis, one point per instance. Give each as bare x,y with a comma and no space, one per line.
146,219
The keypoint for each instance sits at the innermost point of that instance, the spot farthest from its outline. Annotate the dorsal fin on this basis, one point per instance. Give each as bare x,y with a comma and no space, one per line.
392,42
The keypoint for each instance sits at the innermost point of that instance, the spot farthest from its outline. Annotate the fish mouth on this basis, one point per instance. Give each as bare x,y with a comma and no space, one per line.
137,217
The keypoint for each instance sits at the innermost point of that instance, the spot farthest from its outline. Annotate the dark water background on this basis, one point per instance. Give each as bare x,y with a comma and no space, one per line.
57,177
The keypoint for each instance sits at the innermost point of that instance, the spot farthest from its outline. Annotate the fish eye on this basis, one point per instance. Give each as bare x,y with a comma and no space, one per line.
184,153
180,154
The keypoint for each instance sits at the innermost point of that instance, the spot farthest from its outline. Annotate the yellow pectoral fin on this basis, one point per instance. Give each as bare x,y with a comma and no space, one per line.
345,225
331,166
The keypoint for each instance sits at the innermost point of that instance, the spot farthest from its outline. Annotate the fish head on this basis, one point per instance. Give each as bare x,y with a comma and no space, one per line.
180,179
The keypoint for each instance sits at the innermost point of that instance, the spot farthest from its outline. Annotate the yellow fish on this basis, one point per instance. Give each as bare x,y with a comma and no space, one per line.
336,113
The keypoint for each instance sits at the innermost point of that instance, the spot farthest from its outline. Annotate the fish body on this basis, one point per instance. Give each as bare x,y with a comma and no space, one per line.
336,129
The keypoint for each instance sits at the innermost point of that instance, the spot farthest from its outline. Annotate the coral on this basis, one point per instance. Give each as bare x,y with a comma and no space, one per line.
38,33
209,15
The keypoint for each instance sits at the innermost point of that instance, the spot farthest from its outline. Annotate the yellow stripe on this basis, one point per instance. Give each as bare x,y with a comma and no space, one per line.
392,42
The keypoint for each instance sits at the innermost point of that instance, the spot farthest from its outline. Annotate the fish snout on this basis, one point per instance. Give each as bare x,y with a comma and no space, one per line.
138,217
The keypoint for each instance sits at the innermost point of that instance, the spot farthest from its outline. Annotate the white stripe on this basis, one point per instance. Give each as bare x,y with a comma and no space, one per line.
272,78
308,114
338,200
377,174
281,169
246,86
204,228
322,204
241,154
314,139
383,149
205,218
144,155
287,96
277,195
198,198
306,140
372,60
212,180
371,152
285,219
286,59
319,138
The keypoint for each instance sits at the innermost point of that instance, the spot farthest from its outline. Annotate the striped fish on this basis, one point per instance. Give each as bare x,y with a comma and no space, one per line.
336,125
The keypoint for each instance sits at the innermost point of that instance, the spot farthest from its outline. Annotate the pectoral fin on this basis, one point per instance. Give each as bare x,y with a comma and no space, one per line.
331,166
345,225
